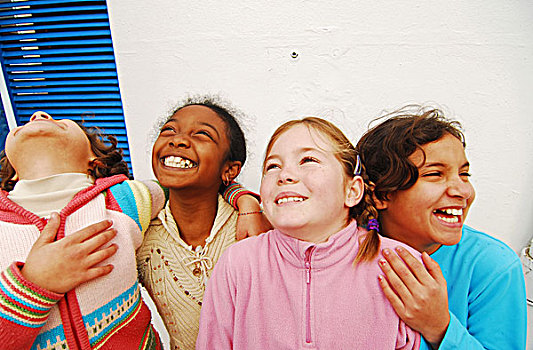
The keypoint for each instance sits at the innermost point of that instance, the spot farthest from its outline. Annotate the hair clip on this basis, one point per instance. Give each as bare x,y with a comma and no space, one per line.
373,224
357,170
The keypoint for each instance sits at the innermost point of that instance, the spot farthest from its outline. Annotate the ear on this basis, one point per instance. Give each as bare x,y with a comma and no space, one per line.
231,170
380,204
355,190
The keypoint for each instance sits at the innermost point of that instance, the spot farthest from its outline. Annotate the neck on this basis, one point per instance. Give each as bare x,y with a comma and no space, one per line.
317,234
194,213
418,245
39,166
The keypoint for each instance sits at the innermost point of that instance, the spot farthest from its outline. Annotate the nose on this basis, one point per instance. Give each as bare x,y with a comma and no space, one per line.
460,188
40,115
180,141
287,176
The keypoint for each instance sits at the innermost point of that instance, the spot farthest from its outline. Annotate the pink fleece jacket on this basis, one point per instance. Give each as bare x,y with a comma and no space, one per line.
276,292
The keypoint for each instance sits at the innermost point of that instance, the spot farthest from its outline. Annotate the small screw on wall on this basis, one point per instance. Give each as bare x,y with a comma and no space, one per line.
294,55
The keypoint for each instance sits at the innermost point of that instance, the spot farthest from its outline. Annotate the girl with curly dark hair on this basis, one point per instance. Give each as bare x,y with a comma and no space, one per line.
418,170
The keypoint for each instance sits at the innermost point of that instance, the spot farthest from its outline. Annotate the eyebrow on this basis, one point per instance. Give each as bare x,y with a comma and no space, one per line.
299,150
175,120
211,127
438,164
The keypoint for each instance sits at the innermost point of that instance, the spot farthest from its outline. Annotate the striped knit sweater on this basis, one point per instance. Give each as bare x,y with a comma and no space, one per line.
106,313
174,274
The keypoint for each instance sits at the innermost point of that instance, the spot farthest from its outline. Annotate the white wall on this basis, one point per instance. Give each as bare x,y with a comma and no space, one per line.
355,59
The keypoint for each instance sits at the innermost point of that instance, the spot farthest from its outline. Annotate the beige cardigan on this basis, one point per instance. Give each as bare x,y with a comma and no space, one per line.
175,275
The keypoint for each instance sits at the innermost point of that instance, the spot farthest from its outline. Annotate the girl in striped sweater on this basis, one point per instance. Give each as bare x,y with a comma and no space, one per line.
71,291
77,289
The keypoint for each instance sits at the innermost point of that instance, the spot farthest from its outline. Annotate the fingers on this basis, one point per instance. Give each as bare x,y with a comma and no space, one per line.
98,240
393,298
98,271
433,268
417,268
89,231
395,282
100,255
400,268
49,232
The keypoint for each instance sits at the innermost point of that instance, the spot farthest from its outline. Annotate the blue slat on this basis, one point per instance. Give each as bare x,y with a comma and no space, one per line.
63,75
95,123
67,97
100,119
55,27
39,104
113,131
67,111
66,67
44,2
55,35
104,125
52,19
75,43
58,59
64,89
97,81
69,51
38,11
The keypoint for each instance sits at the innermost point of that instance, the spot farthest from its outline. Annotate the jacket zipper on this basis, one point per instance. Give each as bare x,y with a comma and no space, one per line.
307,263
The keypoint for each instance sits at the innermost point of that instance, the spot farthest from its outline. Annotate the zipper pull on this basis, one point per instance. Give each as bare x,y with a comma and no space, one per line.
307,264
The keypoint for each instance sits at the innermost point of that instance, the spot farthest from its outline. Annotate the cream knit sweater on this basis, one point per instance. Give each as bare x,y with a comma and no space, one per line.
175,275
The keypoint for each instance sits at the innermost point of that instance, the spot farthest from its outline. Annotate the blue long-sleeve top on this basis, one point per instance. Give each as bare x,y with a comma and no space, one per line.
486,294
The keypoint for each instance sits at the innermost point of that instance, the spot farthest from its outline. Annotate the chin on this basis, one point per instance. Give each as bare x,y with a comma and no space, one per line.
451,239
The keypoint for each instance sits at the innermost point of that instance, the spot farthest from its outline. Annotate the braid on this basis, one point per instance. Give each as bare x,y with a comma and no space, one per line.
370,242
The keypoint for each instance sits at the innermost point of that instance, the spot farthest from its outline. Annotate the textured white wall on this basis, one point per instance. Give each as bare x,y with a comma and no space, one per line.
355,59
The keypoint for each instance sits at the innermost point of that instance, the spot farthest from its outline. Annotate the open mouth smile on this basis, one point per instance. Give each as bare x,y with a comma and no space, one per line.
284,200
449,215
179,162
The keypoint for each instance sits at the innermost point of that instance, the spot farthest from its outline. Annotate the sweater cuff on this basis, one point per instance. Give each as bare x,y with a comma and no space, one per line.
234,191
454,334
22,301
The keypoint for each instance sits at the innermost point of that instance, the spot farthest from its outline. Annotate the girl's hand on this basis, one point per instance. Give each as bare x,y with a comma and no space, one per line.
62,265
418,293
252,221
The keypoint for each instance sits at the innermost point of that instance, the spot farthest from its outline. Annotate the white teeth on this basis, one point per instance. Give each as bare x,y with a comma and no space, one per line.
178,162
450,211
454,215
289,199
454,211
452,220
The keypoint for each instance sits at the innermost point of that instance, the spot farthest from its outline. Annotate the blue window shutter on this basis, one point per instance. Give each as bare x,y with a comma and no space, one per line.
4,129
58,57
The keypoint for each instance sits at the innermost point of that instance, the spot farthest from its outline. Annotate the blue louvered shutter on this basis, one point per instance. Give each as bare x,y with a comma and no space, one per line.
4,129
58,57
